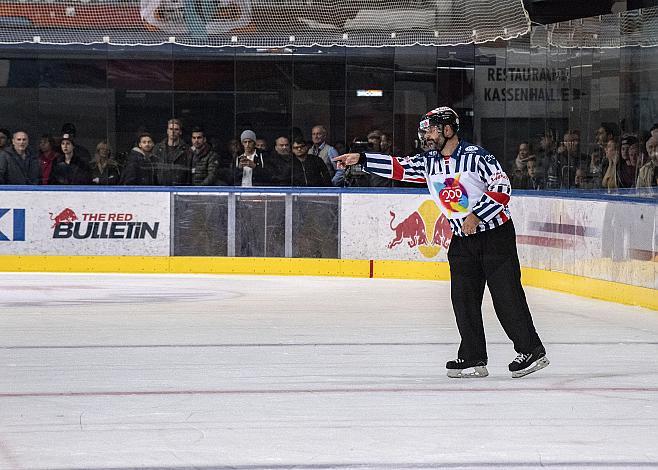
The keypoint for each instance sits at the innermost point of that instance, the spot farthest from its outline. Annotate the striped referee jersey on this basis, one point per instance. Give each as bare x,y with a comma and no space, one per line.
469,180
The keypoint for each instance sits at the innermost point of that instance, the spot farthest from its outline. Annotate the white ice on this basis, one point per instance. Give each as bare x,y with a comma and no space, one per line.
178,372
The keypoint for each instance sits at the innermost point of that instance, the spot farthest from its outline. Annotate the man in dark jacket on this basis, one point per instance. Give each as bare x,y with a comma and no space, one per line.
281,162
205,160
140,166
307,170
17,164
173,157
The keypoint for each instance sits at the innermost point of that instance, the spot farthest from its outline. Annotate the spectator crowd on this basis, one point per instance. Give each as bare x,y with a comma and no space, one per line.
247,161
613,161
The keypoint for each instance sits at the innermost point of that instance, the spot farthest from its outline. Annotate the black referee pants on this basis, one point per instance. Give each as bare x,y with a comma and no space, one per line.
489,257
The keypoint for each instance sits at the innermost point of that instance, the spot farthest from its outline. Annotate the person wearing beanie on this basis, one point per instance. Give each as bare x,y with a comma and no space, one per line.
80,150
252,168
248,135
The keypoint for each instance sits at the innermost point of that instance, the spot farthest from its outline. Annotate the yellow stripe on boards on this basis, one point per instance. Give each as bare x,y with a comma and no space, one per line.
393,269
186,264
592,288
85,264
577,285
272,266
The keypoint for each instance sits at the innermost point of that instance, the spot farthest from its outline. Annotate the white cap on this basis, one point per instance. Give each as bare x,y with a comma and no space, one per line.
248,135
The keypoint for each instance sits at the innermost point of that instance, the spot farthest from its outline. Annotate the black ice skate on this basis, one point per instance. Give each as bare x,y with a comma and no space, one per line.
525,364
460,368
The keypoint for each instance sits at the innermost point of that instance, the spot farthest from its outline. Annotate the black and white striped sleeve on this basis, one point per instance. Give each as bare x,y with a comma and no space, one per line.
498,188
410,169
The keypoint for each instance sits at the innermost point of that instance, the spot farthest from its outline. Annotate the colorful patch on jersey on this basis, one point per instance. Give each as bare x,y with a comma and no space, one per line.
471,148
452,194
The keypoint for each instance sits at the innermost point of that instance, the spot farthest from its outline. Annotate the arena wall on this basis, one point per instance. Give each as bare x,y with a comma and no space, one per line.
600,247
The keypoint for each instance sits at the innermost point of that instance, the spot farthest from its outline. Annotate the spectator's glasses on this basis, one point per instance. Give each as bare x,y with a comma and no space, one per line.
298,147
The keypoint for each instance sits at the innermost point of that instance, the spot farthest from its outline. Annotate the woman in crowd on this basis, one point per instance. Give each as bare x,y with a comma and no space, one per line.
70,168
647,173
611,177
104,170
629,152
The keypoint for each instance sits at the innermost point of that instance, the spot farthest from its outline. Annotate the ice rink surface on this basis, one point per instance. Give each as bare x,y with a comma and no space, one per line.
234,372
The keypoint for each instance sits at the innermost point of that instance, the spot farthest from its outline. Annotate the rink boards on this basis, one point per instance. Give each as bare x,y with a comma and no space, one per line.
603,248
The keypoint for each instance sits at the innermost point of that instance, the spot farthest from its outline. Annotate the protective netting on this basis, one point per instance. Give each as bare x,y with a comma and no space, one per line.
262,23
629,28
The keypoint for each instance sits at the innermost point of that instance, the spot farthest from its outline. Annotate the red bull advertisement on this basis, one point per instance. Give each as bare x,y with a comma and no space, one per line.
101,225
415,228
91,223
408,227
610,240
411,229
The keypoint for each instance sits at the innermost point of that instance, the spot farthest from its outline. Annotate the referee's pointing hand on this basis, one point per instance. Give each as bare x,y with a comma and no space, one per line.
347,159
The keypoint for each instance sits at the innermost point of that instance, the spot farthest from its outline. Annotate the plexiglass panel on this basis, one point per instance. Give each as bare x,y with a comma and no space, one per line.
315,226
260,225
200,225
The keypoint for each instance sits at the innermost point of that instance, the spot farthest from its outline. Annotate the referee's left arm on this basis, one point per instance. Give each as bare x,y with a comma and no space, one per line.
498,188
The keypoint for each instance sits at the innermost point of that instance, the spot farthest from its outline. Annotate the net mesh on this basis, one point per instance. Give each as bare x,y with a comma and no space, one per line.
630,28
262,23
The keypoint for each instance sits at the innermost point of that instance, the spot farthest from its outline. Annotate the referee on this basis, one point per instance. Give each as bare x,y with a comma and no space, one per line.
473,192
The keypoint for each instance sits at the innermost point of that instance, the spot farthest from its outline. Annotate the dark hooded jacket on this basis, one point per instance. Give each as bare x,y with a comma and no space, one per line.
139,169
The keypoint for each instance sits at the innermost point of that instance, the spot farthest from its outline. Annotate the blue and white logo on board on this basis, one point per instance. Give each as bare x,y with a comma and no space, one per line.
12,225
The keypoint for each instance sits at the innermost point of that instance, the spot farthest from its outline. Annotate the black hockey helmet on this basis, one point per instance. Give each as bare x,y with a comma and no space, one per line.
438,117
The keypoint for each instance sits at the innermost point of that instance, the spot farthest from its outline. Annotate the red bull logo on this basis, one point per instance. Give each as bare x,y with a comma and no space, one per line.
442,232
414,229
66,216
411,229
